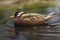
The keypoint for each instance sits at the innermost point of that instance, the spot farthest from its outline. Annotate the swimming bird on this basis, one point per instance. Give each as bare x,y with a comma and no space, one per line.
30,19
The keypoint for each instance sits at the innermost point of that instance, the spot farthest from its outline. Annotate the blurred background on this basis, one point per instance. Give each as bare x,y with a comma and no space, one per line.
9,7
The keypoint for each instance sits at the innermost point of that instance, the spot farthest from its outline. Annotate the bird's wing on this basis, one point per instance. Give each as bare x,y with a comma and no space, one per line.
32,17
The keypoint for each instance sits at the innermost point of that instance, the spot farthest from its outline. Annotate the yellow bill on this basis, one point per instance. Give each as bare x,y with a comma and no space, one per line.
11,17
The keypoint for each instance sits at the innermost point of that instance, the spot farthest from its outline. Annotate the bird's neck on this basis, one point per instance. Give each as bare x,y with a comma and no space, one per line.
19,18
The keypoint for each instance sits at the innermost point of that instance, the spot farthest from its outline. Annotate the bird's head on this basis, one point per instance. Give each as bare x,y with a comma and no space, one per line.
17,14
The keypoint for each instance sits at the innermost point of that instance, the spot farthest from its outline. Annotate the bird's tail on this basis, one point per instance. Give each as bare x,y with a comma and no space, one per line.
52,14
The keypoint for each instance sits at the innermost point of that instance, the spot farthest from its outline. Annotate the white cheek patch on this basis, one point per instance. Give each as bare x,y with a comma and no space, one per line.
19,14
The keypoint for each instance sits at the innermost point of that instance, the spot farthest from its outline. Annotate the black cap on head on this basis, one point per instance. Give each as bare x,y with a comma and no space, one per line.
18,13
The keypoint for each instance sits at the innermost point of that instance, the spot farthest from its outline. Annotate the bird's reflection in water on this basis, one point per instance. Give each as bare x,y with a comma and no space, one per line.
38,33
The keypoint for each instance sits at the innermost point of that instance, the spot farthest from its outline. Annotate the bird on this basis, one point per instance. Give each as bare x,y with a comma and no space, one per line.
31,19
22,18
